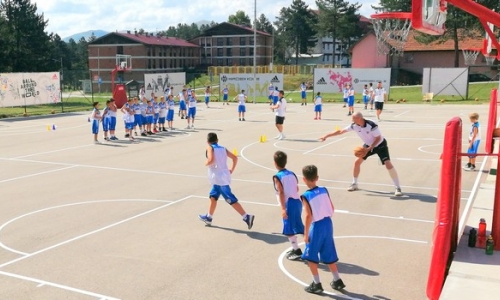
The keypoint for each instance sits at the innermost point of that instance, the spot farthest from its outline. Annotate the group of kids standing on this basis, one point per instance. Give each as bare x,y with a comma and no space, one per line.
318,209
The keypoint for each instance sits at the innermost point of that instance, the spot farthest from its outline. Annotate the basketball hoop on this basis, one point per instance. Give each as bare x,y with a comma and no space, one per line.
470,56
392,31
490,59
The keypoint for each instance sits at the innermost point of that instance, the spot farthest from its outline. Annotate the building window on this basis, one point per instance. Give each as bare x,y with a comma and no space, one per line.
220,41
220,52
119,50
149,63
229,61
220,62
229,41
243,62
251,40
243,52
149,51
250,61
250,51
243,41
229,52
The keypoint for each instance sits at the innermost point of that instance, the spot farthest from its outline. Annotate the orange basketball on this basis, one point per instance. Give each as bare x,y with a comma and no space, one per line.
360,151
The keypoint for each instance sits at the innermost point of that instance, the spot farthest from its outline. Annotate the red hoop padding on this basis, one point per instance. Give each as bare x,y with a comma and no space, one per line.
444,233
492,120
392,15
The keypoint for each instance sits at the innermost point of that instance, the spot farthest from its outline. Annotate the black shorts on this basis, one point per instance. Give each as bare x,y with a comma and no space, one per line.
280,120
381,150
379,105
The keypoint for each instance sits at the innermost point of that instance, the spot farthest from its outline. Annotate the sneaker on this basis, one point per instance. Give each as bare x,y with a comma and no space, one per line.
206,219
192,126
337,285
315,118
127,135
472,167
243,119
353,187
295,255
314,288
277,137
398,193
135,133
249,220
365,106
96,142
143,134
348,114
188,127
239,119
282,137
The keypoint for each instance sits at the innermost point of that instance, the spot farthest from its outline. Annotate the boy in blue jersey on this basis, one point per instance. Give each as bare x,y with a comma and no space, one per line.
95,117
219,176
318,208
474,140
225,95
287,192
105,120
170,112
318,106
112,119
350,99
303,89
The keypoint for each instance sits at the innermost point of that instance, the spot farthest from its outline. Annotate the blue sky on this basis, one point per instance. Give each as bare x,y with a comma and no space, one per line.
67,17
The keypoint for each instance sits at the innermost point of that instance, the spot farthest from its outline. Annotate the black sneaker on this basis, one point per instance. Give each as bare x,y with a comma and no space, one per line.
295,255
249,220
314,288
127,135
337,285
143,134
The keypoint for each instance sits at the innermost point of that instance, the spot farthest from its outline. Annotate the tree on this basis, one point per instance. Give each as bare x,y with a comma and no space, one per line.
263,24
240,18
25,30
297,27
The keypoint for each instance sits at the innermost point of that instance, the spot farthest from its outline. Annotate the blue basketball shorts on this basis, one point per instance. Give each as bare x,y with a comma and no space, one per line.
321,246
293,224
225,191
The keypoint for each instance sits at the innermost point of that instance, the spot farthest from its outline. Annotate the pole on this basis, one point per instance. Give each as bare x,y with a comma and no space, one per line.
254,48
61,84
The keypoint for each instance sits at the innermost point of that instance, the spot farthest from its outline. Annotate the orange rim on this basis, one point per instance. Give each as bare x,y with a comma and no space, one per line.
392,15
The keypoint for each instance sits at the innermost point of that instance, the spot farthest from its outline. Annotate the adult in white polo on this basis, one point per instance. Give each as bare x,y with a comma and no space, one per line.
380,96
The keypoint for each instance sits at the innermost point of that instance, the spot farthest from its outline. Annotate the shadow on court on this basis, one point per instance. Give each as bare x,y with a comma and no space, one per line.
406,196
269,238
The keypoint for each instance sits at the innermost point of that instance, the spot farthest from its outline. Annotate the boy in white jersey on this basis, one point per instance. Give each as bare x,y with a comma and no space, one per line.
242,98
474,140
379,97
320,245
170,112
303,89
271,92
191,110
370,93
366,96
112,119
105,121
95,117
182,104
374,143
219,176
318,106
345,91
280,109
207,96
225,95
162,114
287,192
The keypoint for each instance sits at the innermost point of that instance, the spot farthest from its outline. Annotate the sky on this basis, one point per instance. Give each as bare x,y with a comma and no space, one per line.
67,17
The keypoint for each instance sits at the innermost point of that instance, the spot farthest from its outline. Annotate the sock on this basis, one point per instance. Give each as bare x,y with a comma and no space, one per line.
336,275
245,216
355,180
316,279
394,176
293,241
209,215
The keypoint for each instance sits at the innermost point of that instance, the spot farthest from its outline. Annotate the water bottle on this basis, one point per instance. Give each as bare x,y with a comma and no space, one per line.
489,245
482,228
472,237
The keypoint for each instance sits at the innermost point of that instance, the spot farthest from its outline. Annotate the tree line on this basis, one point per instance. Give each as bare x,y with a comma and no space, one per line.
29,48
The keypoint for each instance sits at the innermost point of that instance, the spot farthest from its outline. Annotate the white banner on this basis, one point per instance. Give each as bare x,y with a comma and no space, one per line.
237,82
22,89
445,81
158,82
332,80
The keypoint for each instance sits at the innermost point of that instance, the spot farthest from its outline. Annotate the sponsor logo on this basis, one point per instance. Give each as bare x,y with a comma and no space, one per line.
356,80
224,78
275,79
321,81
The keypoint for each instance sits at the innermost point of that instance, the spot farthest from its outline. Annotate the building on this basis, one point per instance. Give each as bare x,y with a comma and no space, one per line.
228,44
150,54
408,68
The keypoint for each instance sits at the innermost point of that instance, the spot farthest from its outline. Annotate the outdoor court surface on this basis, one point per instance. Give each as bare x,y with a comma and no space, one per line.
120,220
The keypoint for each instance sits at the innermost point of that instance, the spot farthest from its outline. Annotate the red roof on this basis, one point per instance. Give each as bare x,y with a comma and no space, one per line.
157,40
448,45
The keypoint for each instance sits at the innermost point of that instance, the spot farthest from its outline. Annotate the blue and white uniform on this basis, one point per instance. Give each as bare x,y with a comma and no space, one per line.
149,114
112,119
182,101
271,92
350,99
105,119
225,94
321,245
276,95
303,89
170,110
241,103
191,107
137,114
219,175
475,144
366,96
163,112
95,117
318,103
207,96
346,94
293,224
128,117
156,109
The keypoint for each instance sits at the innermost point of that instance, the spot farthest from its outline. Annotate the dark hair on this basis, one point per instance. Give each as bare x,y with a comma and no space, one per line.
282,92
108,101
280,158
111,99
95,104
212,138
310,172
318,93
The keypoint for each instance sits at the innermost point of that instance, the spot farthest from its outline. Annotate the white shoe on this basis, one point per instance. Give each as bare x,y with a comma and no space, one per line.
353,187
277,137
188,127
282,136
398,192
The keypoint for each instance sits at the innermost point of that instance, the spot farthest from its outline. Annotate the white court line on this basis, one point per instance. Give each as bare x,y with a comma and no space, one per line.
317,148
92,232
2,245
56,285
242,154
36,174
382,216
53,151
397,116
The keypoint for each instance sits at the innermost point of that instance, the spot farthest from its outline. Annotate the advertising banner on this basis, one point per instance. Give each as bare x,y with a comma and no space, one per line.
23,89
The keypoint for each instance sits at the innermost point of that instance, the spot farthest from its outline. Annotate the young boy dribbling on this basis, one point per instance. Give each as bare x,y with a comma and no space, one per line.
318,208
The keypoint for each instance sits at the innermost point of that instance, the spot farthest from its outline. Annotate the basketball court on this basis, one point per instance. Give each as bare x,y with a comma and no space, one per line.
119,220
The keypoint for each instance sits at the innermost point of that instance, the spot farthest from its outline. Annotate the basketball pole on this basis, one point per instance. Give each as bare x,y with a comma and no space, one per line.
254,46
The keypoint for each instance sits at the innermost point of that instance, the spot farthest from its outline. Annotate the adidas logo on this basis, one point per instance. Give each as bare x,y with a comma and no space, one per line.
321,81
224,78
275,79
54,77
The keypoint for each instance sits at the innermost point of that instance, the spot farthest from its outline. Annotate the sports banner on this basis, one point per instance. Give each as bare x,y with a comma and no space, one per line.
158,82
332,80
237,82
23,89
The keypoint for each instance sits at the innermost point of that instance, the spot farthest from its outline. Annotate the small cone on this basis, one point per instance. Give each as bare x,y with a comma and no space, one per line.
48,127
235,152
265,138
336,128
54,126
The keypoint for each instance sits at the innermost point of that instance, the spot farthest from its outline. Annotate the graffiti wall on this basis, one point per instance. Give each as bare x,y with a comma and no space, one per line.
24,89
158,82
329,80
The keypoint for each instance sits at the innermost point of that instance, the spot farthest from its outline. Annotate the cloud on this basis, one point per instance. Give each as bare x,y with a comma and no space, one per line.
67,17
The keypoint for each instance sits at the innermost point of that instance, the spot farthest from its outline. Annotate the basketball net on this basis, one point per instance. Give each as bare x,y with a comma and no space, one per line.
392,34
490,59
470,56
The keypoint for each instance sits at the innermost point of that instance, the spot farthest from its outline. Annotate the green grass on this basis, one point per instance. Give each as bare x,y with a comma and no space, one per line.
478,93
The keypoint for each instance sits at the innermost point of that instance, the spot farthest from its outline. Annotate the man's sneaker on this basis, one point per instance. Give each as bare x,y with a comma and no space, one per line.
127,135
352,188
243,119
143,134
398,193
188,127
337,284
249,220
314,288
472,167
206,219
295,255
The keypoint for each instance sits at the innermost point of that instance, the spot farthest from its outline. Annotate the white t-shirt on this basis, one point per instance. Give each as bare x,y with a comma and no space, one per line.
379,94
218,172
368,133
318,100
241,99
280,111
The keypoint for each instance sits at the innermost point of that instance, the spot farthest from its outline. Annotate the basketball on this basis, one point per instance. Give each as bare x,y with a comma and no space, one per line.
360,151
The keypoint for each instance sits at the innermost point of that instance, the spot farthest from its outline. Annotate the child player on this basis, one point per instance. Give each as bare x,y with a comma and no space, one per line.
287,192
170,112
318,208
318,106
95,116
163,114
474,140
219,176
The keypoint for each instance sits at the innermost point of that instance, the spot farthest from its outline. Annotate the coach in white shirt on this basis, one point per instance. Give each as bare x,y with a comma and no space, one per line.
380,96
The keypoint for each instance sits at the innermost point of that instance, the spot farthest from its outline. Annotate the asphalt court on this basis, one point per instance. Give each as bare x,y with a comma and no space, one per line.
119,220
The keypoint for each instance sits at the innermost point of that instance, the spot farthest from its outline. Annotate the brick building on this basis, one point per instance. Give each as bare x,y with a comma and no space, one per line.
228,44
150,54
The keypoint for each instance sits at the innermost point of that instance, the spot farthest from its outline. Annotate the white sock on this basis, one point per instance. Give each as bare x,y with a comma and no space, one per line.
394,176
355,180
336,275
316,279
245,216
209,215
293,241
